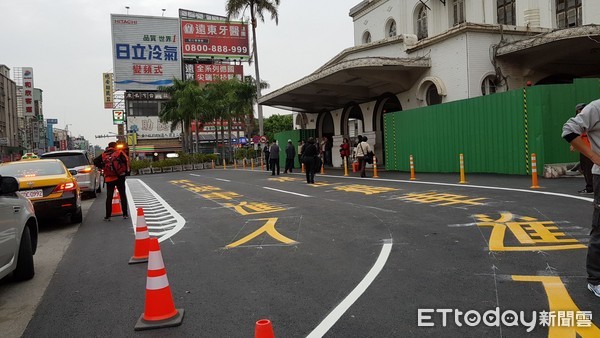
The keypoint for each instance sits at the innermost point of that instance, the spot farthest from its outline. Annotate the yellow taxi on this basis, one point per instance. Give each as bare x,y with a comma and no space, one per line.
49,185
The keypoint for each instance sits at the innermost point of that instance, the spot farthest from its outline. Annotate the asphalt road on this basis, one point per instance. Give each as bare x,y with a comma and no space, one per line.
346,257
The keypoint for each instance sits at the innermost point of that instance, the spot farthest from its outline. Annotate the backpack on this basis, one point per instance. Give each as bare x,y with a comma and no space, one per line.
114,164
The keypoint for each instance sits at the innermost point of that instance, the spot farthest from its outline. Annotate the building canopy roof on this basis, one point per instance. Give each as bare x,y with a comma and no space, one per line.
359,80
574,51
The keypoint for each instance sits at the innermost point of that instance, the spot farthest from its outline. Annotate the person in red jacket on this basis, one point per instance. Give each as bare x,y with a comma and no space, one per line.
345,151
116,167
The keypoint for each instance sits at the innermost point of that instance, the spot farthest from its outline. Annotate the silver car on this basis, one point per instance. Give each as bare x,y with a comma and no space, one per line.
88,176
18,231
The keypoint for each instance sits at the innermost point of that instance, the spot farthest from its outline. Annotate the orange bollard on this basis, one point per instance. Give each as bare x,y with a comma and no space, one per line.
252,164
264,329
375,167
142,239
412,169
224,165
345,166
302,170
462,170
262,163
116,204
322,167
213,164
534,176
244,163
234,164
160,309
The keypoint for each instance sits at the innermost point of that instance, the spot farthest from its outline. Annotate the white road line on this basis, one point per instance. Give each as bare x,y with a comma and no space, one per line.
339,310
587,199
180,221
287,192
222,179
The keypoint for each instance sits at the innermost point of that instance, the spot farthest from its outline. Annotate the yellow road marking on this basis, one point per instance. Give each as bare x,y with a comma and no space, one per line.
269,228
560,300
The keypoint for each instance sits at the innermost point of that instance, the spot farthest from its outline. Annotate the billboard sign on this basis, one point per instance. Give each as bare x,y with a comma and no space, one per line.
118,117
149,127
146,51
219,39
187,14
51,121
213,73
27,94
107,86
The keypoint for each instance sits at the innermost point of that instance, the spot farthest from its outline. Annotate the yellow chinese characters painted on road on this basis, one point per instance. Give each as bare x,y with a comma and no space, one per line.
441,199
560,319
254,208
532,234
216,194
269,229
364,189
284,179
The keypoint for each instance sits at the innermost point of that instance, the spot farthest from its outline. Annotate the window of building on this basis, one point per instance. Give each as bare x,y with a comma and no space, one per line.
422,22
432,96
458,9
489,85
143,108
366,37
506,10
391,28
568,13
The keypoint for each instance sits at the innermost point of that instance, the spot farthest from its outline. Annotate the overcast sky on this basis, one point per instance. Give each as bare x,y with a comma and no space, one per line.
68,44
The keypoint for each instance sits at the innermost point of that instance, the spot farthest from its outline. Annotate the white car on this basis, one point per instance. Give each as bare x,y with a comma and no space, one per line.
18,231
88,176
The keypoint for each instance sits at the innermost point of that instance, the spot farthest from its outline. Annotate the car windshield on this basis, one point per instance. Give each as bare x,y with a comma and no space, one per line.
32,169
70,160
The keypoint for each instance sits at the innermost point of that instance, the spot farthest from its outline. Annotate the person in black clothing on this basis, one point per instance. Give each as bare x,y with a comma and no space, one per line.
290,154
308,155
267,152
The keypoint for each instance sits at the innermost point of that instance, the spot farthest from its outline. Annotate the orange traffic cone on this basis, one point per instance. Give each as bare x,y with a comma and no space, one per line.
160,310
142,238
116,204
264,329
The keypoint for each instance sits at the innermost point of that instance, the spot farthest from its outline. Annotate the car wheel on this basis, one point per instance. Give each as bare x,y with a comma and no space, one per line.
77,217
25,269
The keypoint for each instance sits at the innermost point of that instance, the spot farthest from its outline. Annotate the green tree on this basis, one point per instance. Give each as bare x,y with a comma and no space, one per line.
236,8
277,123
182,108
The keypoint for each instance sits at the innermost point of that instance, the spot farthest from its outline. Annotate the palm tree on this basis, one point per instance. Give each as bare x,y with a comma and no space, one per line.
235,8
183,106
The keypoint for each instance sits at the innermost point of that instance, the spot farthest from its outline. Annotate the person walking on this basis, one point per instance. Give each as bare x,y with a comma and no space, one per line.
267,153
362,149
588,121
328,159
274,157
300,149
290,155
584,162
116,166
309,154
345,151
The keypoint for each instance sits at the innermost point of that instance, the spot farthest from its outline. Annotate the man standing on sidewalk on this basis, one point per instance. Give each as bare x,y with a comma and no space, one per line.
274,156
588,121
585,163
290,156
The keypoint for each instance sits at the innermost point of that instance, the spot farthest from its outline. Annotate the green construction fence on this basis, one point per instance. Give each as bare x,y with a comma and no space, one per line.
495,133
295,136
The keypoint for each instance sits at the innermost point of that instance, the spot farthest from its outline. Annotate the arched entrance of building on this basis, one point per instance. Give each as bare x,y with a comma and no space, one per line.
325,128
352,123
387,103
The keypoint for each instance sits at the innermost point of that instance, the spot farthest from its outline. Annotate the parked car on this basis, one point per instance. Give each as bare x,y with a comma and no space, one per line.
18,231
49,185
88,176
